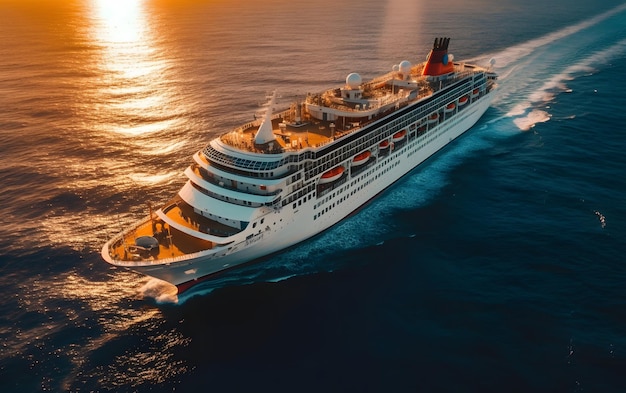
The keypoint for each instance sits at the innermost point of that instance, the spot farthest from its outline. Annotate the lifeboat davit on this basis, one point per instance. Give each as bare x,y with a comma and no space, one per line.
332,175
433,118
398,136
463,100
361,158
450,107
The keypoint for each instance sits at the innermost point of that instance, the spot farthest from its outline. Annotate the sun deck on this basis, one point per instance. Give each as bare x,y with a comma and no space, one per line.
295,129
294,136
289,136
172,243
182,214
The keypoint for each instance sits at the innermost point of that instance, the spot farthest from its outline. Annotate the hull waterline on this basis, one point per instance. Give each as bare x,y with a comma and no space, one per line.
258,190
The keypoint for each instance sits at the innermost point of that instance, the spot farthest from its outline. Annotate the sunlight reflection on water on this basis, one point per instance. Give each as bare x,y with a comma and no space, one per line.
134,87
133,365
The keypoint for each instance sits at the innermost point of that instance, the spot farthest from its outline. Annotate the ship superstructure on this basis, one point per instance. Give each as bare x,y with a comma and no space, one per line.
291,174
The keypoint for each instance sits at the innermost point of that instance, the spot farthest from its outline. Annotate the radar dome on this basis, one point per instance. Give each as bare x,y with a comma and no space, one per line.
405,67
353,80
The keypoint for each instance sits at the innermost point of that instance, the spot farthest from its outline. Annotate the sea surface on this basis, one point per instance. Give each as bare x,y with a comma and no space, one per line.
497,266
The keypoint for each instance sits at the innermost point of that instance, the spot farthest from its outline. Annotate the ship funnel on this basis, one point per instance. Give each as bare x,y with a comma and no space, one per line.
439,61
265,133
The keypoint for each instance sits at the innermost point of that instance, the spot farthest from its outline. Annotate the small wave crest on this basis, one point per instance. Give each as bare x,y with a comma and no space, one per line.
601,218
531,119
146,178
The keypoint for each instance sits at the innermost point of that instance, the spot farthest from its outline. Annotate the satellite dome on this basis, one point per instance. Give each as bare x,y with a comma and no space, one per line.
353,80
405,67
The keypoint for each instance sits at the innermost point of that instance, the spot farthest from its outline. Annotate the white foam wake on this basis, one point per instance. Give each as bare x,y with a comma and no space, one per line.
516,53
160,291
532,73
526,114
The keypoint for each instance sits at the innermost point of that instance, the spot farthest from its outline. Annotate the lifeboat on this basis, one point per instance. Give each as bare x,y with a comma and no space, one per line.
463,100
475,93
332,175
398,136
361,158
383,145
433,118
450,107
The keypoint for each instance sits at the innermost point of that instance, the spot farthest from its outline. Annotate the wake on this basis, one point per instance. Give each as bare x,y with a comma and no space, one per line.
517,52
531,75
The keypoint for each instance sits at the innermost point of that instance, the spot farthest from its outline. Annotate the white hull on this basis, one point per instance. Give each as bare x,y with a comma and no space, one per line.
288,226
275,182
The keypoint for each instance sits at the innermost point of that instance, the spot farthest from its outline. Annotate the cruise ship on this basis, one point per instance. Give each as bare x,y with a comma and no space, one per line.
291,174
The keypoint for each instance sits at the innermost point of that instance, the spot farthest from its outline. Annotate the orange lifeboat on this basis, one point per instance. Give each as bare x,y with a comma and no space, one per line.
463,100
383,145
450,107
475,93
398,136
332,175
433,118
361,158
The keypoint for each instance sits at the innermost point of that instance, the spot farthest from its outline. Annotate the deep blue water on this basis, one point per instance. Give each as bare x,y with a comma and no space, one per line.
498,265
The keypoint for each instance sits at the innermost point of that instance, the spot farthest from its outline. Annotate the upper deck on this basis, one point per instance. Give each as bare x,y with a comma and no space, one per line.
324,117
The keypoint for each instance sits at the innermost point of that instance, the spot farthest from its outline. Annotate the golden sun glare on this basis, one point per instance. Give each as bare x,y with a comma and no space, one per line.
130,66
120,20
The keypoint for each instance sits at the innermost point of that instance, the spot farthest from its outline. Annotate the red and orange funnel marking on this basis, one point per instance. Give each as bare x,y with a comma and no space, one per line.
439,62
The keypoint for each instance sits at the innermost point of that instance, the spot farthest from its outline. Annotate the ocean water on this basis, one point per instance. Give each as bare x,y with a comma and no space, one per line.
497,266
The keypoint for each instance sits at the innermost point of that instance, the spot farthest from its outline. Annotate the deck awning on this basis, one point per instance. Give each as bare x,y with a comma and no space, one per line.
233,176
260,199
214,206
